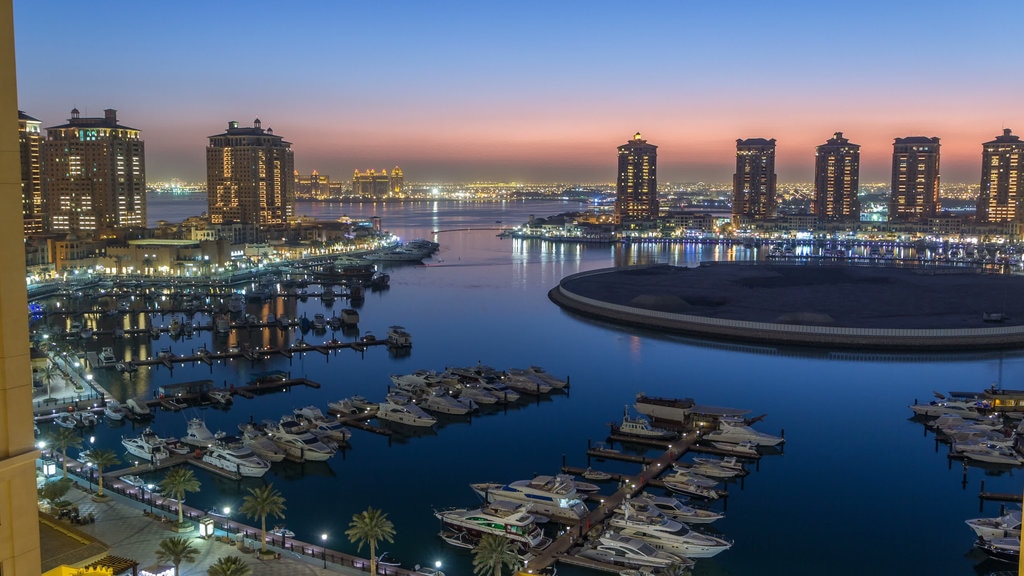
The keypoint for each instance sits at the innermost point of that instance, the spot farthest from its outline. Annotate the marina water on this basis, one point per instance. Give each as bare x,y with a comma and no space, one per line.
860,488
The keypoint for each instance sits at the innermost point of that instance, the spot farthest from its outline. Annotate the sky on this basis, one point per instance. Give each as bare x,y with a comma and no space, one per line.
531,91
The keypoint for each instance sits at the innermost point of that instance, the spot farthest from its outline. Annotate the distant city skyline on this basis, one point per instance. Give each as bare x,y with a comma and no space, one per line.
530,92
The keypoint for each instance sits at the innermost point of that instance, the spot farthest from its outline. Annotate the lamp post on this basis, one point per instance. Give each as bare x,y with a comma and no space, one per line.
323,542
206,526
150,488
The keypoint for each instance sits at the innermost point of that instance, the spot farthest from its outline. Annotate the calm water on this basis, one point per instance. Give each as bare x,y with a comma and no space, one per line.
860,489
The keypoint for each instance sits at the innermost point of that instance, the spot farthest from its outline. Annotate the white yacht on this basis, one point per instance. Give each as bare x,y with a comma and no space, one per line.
994,454
744,448
299,444
935,408
235,457
106,356
520,381
552,496
476,394
731,462
708,470
612,548
114,410
550,380
1005,526
408,413
511,520
353,405
676,510
198,435
321,425
641,428
735,431
686,484
648,524
147,447
262,445
438,400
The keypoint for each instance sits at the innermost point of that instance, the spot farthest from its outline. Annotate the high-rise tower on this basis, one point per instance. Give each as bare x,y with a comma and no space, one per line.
1000,195
836,180
397,181
637,185
250,176
30,139
915,178
93,175
753,184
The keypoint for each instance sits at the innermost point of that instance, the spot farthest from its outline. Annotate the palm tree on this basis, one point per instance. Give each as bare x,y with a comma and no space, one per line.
370,527
229,566
262,502
177,482
102,458
492,553
49,373
176,550
64,438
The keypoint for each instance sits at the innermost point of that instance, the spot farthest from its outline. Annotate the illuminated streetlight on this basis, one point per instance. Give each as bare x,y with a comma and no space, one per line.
323,540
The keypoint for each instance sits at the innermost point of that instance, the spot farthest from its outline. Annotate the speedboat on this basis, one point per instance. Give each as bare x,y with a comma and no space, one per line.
408,413
66,420
222,397
148,446
1007,525
641,428
133,480
538,372
552,496
282,531
735,431
612,548
676,510
235,457
510,520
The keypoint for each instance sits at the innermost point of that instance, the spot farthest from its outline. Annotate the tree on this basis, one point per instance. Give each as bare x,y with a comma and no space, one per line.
229,566
492,553
177,482
176,550
64,438
54,492
49,373
102,458
262,502
370,527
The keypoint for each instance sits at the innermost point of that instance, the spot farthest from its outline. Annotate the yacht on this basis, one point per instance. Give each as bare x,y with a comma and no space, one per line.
552,496
1005,549
106,356
676,510
1005,526
259,443
198,435
299,444
547,378
220,396
612,548
641,428
518,380
408,413
730,462
235,457
437,399
511,520
354,405
148,446
994,454
686,484
114,410
734,431
398,337
935,408
138,482
650,525
708,470
321,425
745,448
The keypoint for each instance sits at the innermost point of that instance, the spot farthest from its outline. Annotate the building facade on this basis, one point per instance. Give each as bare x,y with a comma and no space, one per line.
397,181
636,187
30,139
250,176
315,186
915,179
371,184
999,197
93,176
753,184
836,180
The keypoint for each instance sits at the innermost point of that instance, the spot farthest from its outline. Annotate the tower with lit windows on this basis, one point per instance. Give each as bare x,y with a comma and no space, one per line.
915,179
636,188
999,197
753,184
30,140
250,176
93,176
836,180
397,181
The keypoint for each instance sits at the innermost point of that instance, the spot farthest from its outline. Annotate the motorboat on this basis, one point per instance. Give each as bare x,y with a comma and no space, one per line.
321,425
1005,526
520,381
675,509
235,457
511,520
299,444
148,446
138,482
935,408
262,445
744,448
138,408
612,548
730,462
407,413
198,435
678,475
66,420
114,410
476,394
553,496
596,475
640,427
106,356
708,470
734,431
550,380
220,396
438,400
995,454
640,520
282,532
686,484
398,337
1005,549
353,405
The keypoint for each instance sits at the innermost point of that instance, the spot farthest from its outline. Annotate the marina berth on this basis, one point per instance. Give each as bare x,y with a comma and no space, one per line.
553,496
1006,526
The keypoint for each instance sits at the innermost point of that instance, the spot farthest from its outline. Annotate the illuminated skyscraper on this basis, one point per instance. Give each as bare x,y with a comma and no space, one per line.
637,185
31,139
250,176
316,186
371,184
915,178
999,197
836,180
753,184
397,181
94,176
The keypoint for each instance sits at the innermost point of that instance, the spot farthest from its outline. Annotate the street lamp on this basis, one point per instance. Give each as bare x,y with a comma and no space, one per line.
49,468
437,566
206,526
150,488
323,540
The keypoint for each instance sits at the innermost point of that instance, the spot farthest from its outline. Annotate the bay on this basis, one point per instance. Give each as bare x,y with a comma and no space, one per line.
860,487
